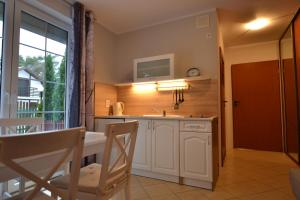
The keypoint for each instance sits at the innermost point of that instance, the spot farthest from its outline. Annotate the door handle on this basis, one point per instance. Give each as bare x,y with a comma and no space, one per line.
235,103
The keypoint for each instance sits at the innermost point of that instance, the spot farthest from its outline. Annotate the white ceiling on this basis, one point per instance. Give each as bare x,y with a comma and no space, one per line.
121,16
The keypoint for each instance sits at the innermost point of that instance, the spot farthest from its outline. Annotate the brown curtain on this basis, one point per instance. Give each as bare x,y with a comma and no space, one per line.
81,79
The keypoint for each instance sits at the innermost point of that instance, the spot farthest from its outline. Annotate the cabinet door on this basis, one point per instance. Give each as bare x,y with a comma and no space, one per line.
196,155
101,123
142,152
165,147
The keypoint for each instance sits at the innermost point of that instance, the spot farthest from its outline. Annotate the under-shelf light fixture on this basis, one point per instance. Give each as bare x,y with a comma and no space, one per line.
178,84
144,87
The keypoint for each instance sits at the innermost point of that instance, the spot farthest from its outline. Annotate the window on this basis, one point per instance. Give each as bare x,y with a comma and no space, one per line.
41,71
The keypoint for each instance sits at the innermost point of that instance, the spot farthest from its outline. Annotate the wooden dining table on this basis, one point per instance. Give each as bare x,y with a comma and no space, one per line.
94,144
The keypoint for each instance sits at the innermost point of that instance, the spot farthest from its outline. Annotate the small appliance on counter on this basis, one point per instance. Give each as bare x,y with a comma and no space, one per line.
118,108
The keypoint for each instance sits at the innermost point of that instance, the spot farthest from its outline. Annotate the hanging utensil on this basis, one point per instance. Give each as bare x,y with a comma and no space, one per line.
179,95
176,106
182,97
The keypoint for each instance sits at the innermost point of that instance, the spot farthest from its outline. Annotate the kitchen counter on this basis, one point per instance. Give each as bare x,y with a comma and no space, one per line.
168,117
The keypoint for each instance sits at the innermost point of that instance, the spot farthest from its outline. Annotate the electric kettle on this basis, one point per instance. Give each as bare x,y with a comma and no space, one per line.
118,108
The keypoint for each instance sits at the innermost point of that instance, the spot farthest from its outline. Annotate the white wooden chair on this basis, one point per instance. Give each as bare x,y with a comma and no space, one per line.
19,126
64,142
103,181
29,125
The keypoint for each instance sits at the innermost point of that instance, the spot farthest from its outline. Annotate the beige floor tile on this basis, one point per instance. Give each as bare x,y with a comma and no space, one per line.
217,194
174,187
192,195
138,193
166,197
247,175
144,181
271,195
157,190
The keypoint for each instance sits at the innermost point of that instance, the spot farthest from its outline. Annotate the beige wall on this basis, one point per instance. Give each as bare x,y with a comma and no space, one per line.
243,54
104,55
192,47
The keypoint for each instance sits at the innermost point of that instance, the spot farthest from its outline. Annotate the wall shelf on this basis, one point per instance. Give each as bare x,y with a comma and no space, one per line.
196,78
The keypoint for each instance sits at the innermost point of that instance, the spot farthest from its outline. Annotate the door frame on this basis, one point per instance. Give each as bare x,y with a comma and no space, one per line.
282,90
222,105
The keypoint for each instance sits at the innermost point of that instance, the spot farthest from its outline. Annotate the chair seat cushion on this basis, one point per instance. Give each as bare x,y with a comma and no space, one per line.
88,179
39,196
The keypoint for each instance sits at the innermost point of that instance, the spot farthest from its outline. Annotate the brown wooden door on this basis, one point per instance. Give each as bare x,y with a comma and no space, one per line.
256,106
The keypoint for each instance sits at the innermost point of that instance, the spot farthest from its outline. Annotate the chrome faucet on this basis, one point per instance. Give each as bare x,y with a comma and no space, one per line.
164,112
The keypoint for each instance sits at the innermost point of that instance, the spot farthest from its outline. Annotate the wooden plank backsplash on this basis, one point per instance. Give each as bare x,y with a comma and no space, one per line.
104,92
200,99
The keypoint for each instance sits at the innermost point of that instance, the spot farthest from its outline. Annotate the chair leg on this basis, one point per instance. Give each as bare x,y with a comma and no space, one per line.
127,192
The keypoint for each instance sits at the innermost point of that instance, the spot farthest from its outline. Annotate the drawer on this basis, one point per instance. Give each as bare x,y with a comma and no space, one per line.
196,126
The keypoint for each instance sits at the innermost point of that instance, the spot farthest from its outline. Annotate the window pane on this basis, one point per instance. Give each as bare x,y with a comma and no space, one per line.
31,62
57,65
33,24
42,67
30,82
32,39
1,38
56,40
54,121
54,97
0,49
1,18
56,47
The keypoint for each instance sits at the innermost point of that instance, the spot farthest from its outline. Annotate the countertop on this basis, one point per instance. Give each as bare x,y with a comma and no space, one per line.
168,117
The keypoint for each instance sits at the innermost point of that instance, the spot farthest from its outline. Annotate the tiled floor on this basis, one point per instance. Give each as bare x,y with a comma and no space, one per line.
247,175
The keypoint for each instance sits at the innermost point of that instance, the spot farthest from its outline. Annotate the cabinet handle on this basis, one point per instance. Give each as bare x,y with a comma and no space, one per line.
148,124
209,141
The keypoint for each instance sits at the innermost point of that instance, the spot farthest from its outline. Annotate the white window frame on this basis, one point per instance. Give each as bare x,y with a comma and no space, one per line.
10,56
10,80
8,25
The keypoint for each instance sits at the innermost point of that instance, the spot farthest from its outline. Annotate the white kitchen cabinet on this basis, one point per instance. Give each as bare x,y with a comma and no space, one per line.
199,162
181,151
101,123
142,152
196,155
165,147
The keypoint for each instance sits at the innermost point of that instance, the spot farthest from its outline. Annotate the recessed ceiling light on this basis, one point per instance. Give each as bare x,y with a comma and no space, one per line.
257,24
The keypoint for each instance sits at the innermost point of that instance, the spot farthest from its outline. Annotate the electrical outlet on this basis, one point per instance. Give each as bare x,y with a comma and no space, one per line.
107,103
208,36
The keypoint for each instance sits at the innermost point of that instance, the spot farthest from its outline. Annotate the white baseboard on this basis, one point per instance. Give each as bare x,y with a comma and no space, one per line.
154,175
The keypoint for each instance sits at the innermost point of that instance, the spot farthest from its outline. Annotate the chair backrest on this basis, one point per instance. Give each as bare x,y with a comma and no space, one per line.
15,147
117,172
23,125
